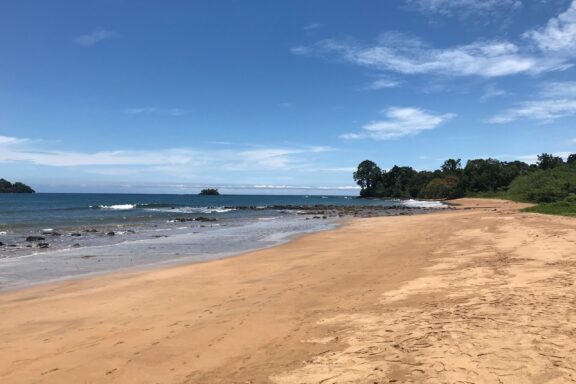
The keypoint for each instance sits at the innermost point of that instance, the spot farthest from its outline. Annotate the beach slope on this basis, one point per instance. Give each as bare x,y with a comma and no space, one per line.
481,294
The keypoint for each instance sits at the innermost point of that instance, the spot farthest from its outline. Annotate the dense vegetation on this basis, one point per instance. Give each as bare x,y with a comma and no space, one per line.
209,192
17,187
565,207
550,180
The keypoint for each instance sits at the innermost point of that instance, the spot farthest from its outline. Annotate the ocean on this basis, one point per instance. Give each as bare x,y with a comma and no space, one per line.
47,237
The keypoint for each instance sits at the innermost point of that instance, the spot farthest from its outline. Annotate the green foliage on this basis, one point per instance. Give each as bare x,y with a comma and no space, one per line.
451,167
398,182
491,175
548,161
564,208
549,180
442,188
209,192
545,186
17,187
367,177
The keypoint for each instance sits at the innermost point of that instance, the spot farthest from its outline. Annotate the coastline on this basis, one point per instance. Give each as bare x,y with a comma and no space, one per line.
376,299
184,260
35,255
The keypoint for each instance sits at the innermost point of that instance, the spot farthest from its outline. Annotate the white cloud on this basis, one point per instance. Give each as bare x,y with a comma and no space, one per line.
291,187
94,37
530,159
382,83
10,140
556,100
559,34
174,160
566,89
545,49
123,158
273,158
492,91
312,26
452,7
411,56
400,122
543,110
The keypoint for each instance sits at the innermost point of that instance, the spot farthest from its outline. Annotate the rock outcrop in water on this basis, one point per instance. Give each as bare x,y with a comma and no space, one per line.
17,187
209,192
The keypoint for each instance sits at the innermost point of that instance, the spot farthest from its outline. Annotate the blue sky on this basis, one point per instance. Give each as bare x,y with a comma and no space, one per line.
276,96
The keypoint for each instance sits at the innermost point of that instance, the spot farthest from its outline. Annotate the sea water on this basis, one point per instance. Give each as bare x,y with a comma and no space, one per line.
95,233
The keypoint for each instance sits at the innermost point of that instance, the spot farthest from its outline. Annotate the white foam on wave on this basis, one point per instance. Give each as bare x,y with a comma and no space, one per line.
423,204
118,207
205,210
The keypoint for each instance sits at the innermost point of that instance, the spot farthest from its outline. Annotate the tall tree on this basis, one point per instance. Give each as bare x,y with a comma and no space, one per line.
549,161
451,166
367,176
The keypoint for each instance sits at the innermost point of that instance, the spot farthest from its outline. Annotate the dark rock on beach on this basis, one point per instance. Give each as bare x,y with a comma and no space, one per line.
35,238
204,219
43,245
111,233
186,219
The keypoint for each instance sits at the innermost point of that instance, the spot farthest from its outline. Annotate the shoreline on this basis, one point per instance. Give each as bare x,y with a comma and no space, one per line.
184,240
172,263
405,298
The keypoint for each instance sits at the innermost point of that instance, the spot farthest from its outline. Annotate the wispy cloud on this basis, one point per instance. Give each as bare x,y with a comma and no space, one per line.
491,91
530,159
546,49
94,37
10,140
462,7
273,158
406,55
559,89
556,100
312,26
174,112
543,110
174,160
382,83
400,122
559,34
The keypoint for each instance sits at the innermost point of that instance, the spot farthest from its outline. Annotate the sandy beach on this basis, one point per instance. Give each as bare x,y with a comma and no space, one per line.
481,294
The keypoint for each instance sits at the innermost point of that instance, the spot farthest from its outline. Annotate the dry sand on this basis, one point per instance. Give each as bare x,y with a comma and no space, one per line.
483,294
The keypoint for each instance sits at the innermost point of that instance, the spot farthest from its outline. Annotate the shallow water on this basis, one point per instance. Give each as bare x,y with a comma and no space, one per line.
147,230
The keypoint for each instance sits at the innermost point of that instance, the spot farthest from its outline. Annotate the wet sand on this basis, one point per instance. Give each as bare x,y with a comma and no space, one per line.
482,294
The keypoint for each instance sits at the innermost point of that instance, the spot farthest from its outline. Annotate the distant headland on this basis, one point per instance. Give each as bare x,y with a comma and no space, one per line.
17,187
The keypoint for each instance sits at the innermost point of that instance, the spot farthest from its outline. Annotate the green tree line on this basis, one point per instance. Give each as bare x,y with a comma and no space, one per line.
550,179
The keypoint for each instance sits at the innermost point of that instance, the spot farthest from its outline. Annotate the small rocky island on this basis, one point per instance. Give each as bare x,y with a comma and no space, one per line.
209,192
17,187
